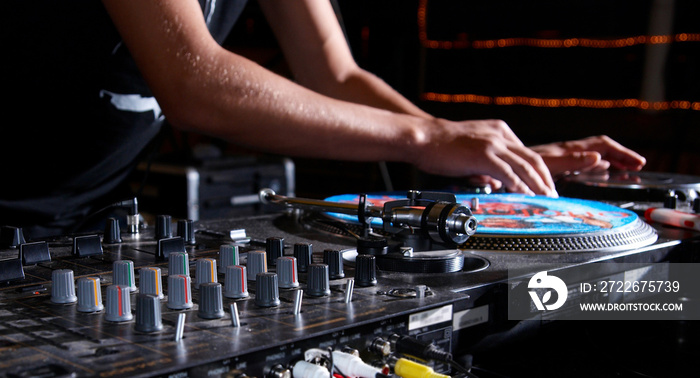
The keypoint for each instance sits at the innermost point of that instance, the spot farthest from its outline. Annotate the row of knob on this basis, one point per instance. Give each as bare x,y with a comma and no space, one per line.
118,302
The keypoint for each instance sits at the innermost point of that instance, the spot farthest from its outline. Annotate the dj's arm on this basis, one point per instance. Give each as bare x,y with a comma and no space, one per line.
202,87
317,52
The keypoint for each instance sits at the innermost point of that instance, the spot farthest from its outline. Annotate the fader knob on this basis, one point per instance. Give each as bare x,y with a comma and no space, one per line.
267,290
112,233
118,307
206,272
236,282
318,284
334,259
150,282
257,263
211,303
274,247
123,274
63,286
228,255
179,292
164,226
89,294
287,272
148,314
178,263
185,230
365,270
304,255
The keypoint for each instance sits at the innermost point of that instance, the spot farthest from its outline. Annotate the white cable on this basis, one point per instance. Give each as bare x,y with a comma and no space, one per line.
353,366
303,369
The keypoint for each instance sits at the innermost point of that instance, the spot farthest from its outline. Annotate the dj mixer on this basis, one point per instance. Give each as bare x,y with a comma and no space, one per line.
356,285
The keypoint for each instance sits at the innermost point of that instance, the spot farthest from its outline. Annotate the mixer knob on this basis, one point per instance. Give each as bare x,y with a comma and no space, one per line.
334,259
257,263
287,272
185,230
112,233
148,313
123,274
150,282
211,304
89,294
318,284
179,292
206,272
696,205
274,247
118,308
178,263
304,255
267,290
228,255
63,286
236,282
365,270
164,226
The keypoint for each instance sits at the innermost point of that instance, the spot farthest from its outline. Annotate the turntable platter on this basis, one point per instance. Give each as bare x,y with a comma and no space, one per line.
515,222
629,186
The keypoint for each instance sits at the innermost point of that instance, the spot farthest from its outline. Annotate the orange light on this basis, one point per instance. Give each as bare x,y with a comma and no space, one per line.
462,42
559,102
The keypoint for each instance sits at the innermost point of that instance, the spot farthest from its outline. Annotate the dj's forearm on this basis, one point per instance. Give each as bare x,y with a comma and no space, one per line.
319,57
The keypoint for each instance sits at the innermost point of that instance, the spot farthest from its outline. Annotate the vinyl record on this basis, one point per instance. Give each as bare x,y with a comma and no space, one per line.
516,222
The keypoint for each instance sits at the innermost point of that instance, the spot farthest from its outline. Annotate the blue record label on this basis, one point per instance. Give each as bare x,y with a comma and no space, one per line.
518,214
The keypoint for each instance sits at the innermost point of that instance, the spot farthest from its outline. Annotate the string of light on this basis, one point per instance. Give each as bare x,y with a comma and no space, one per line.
560,102
463,43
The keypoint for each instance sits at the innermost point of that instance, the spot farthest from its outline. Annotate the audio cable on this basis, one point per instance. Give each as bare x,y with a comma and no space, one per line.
411,346
341,364
406,368
132,219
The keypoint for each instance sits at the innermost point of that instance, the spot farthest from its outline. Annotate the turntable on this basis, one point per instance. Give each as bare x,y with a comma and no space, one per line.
429,232
520,223
643,188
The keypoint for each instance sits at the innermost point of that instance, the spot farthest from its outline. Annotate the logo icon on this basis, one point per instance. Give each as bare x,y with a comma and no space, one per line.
543,281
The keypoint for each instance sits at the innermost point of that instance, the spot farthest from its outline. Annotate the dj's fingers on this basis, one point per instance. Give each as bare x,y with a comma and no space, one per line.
518,175
575,162
541,177
613,152
625,159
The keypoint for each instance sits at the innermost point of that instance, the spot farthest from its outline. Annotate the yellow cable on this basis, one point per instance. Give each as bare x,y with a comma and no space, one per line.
411,369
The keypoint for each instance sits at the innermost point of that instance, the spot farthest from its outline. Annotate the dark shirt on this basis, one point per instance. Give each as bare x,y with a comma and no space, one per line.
79,115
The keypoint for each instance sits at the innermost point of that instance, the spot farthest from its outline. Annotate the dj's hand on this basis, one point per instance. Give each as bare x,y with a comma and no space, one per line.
483,148
596,153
